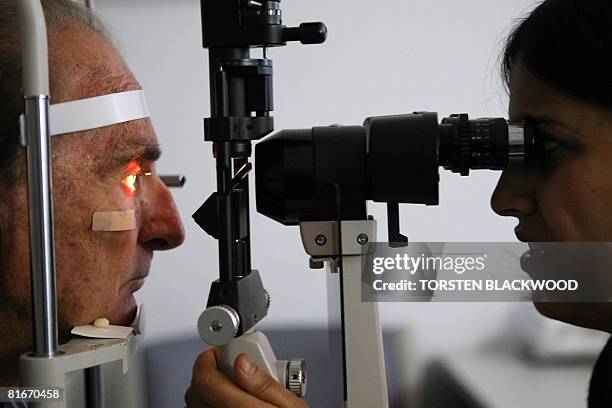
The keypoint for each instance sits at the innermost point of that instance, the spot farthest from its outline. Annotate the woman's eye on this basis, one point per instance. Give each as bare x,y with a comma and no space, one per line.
549,145
550,150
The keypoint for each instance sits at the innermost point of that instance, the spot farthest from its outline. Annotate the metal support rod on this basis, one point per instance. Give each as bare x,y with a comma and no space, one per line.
224,189
42,252
34,48
94,381
174,180
243,184
42,256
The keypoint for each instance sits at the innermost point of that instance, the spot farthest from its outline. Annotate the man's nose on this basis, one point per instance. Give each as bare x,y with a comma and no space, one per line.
161,227
514,195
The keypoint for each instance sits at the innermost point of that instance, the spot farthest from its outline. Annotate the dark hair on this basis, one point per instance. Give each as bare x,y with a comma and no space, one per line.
568,45
59,14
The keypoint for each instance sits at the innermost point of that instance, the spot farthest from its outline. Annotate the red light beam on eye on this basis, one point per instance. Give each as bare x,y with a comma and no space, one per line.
129,181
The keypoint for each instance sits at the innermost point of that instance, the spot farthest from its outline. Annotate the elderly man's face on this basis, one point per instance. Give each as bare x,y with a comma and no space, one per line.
93,171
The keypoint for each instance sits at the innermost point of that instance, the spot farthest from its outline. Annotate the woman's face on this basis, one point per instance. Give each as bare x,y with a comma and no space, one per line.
567,195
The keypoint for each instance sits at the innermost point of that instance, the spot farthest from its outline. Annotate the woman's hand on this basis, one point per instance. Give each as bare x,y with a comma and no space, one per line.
210,388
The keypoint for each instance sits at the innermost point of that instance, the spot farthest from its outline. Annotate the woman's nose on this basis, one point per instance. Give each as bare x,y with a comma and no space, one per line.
514,195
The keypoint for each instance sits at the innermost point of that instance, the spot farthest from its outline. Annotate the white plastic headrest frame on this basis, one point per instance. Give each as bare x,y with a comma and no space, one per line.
92,113
97,112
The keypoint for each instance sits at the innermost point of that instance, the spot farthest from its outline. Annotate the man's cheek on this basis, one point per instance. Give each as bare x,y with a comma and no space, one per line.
82,283
114,245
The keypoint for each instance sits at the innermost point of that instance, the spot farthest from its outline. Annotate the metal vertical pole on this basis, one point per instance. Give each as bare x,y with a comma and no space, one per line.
94,386
42,249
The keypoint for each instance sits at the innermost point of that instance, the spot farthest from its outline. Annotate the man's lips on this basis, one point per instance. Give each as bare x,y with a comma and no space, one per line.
137,281
140,276
135,284
141,272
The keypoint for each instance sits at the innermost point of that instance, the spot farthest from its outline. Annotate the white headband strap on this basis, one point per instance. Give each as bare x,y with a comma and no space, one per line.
97,112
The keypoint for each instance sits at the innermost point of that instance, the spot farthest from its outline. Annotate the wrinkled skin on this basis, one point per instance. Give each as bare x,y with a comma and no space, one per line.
97,272
567,196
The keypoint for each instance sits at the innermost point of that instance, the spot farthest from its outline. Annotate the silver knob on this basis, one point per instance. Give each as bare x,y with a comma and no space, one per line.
296,376
217,325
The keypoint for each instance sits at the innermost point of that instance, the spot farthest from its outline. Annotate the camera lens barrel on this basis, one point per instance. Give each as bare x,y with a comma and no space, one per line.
312,174
403,158
474,144
328,173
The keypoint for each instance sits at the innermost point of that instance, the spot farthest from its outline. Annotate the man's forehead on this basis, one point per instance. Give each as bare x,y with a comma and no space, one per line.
102,71
80,72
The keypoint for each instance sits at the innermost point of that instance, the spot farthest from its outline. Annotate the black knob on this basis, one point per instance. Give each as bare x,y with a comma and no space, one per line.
306,33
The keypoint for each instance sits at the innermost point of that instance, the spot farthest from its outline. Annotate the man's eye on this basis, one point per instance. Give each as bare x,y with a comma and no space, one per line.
130,182
133,173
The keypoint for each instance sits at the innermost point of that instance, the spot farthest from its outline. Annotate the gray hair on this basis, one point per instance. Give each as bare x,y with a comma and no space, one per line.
60,15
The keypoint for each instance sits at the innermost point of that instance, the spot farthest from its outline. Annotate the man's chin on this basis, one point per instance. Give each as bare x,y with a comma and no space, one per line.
126,312
126,307
121,313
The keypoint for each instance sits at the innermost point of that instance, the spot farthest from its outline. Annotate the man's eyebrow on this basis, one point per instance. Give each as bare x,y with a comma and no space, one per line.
152,153
133,150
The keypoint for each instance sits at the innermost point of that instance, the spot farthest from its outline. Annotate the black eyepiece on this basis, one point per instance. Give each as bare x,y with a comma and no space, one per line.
473,144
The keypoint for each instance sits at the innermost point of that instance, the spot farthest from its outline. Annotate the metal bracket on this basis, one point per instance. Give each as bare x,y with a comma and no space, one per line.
364,375
23,131
320,238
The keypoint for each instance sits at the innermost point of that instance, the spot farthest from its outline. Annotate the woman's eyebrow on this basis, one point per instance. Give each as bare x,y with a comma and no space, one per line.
547,120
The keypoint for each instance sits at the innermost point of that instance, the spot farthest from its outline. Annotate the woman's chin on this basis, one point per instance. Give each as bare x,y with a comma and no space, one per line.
582,314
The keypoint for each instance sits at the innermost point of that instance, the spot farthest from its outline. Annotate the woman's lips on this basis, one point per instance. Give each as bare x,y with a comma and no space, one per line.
519,227
532,260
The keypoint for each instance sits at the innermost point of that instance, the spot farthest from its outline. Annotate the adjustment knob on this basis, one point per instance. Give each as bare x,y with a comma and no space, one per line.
296,376
306,33
268,299
217,325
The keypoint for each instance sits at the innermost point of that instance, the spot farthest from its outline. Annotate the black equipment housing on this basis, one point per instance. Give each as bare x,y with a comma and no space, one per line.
241,99
390,159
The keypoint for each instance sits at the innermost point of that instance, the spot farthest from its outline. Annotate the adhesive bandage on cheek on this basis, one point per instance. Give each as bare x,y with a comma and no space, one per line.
114,221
